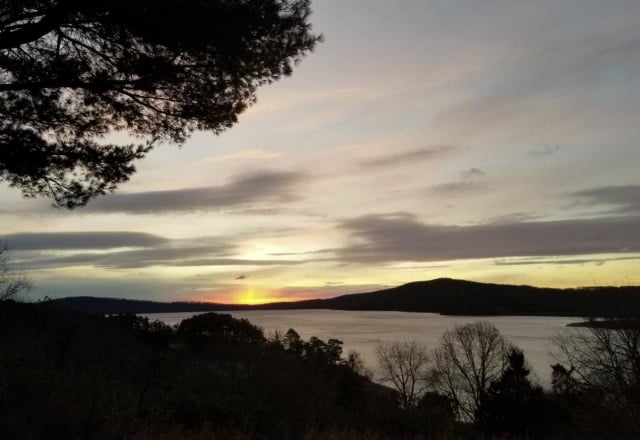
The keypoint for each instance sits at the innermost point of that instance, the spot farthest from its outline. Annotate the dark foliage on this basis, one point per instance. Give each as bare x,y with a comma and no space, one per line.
513,404
70,375
73,71
436,415
67,374
293,343
598,383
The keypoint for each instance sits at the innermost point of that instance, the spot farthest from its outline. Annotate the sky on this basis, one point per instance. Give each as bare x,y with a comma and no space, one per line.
490,140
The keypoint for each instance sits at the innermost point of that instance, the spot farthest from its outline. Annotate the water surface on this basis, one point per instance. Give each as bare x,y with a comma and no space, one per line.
364,330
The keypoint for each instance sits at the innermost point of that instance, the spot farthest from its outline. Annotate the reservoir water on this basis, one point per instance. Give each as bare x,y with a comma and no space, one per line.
363,330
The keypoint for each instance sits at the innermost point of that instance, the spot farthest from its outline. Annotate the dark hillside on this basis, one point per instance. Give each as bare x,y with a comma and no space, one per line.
443,295
457,297
114,306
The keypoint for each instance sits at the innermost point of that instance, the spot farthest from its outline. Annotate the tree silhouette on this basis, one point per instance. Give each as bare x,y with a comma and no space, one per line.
405,365
512,403
12,283
321,352
470,357
293,342
604,356
73,71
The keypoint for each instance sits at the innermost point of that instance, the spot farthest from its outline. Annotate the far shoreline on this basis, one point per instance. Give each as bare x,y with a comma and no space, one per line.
607,324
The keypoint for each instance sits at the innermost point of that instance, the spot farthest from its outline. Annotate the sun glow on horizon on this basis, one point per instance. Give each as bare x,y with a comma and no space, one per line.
248,297
252,297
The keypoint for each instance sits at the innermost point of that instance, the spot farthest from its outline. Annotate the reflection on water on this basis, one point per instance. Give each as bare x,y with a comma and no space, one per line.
363,331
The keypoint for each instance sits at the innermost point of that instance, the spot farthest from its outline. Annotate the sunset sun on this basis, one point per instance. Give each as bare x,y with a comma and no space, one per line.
251,297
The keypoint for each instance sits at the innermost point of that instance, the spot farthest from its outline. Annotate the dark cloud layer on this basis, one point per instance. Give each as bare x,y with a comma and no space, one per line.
125,250
562,262
621,199
248,191
80,240
389,238
408,157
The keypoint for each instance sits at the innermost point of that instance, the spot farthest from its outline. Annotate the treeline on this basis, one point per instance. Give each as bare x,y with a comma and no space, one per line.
119,306
445,296
66,374
71,375
484,380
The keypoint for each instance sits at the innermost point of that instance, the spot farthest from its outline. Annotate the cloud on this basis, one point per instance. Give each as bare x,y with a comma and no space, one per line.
459,188
176,257
421,267
472,183
251,191
170,253
515,217
172,256
408,157
80,240
289,254
391,238
255,154
328,290
622,199
560,262
35,251
545,150
232,262
473,173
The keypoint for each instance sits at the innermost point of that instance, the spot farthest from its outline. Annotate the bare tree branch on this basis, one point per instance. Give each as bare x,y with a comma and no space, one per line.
405,365
12,284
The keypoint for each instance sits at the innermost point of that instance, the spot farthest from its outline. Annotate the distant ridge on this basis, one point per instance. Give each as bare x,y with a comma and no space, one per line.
443,295
113,306
458,297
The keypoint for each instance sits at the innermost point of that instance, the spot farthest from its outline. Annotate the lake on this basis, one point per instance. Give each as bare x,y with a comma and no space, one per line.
364,330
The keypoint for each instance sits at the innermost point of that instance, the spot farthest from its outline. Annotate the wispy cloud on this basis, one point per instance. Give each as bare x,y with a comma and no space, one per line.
254,154
408,157
544,150
255,190
112,250
389,238
472,173
560,262
463,187
621,199
80,240
205,256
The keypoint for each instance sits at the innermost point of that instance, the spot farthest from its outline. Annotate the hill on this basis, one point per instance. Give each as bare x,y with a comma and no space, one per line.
116,306
458,297
443,295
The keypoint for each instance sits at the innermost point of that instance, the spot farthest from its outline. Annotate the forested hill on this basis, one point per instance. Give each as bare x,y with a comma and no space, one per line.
114,306
443,295
457,297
